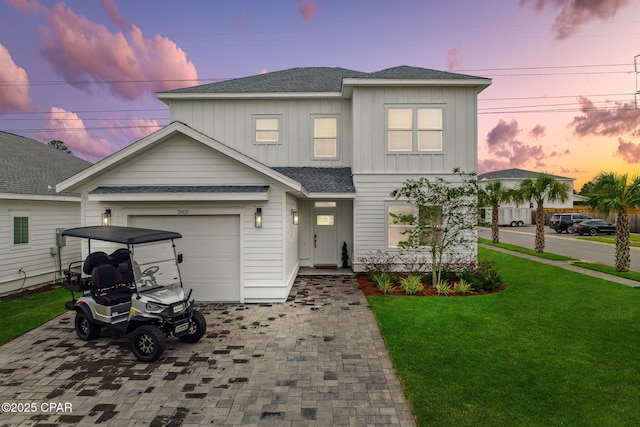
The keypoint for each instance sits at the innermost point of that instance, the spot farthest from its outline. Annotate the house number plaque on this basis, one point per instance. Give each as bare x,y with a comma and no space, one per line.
183,211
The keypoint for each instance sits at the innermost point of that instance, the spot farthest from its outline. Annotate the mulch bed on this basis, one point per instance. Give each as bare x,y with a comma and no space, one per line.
370,289
30,291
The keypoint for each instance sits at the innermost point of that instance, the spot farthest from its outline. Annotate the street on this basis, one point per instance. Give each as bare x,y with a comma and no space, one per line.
563,244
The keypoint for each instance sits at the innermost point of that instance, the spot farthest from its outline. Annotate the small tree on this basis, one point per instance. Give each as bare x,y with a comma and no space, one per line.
492,195
443,219
544,187
617,193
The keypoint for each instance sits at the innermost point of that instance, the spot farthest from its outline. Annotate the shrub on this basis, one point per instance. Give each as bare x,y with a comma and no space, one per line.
443,287
382,280
412,284
491,280
461,287
445,275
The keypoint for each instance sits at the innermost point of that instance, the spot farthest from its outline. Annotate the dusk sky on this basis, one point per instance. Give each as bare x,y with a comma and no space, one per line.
564,74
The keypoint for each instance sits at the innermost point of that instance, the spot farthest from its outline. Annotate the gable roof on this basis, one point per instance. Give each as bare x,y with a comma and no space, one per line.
28,167
515,174
323,80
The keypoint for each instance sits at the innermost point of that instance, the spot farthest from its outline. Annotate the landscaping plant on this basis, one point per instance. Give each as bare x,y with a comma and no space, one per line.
412,283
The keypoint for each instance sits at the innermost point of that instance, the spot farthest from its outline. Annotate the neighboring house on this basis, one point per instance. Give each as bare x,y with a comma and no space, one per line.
31,211
268,173
511,178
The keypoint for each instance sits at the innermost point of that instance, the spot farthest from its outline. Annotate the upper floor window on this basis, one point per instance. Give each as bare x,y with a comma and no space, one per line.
20,230
325,137
267,129
414,129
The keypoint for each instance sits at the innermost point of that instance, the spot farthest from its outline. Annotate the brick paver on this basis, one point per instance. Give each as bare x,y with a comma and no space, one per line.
318,359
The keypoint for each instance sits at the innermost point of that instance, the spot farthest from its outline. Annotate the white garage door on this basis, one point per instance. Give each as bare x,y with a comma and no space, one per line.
210,247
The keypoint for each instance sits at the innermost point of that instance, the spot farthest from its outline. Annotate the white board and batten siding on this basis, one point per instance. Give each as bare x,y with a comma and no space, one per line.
258,256
231,122
36,258
459,130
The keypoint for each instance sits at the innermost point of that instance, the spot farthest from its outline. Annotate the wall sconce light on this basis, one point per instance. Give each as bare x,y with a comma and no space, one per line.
258,217
295,216
106,217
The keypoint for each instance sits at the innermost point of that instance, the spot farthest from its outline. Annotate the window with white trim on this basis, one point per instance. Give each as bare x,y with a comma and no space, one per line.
20,225
414,129
267,129
325,137
430,217
396,230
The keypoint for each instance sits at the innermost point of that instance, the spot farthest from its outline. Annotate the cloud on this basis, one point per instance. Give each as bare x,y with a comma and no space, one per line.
504,144
575,13
560,153
629,151
263,70
307,9
621,118
14,95
537,132
115,15
454,60
130,130
125,62
70,129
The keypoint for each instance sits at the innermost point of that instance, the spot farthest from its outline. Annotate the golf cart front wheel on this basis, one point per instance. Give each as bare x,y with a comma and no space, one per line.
148,343
85,328
197,328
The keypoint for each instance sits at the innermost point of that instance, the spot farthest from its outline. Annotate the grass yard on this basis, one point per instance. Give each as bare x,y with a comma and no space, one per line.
523,250
631,275
554,348
634,239
23,314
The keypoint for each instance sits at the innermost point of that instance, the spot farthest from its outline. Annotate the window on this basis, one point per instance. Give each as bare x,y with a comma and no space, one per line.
325,137
396,230
267,130
325,204
325,220
429,216
20,230
414,129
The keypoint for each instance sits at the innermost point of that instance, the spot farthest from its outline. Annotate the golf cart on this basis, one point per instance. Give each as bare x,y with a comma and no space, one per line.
137,289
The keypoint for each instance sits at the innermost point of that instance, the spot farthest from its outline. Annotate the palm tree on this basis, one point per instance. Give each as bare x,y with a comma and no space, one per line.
543,188
492,195
617,193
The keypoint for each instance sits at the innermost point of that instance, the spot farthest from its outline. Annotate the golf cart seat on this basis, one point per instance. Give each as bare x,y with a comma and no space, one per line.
105,284
119,256
93,260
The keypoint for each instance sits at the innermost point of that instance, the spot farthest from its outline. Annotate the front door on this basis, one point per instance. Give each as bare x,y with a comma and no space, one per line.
325,240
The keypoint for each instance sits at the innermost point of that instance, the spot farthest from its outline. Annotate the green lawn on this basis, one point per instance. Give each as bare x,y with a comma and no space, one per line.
632,275
523,250
554,348
634,239
23,314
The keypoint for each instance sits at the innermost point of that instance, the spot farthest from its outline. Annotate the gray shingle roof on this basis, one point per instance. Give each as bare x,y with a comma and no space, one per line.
321,180
30,167
181,189
314,79
514,174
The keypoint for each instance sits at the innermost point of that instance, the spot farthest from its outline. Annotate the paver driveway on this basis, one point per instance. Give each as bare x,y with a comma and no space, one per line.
318,359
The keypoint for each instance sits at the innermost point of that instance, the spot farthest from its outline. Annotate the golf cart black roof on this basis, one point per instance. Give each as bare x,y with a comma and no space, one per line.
126,235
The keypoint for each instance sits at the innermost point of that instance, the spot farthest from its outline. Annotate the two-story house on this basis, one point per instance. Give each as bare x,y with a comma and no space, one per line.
268,173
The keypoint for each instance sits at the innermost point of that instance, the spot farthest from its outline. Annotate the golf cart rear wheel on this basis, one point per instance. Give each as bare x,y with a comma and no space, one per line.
85,328
148,343
197,328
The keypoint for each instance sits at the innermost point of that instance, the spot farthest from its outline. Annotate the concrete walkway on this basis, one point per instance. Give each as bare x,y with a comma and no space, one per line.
567,266
318,359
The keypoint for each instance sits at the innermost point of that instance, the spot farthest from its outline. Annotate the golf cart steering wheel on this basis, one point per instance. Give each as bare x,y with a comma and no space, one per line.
148,275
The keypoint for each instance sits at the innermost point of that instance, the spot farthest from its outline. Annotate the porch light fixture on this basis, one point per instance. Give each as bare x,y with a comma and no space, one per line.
106,217
295,216
258,217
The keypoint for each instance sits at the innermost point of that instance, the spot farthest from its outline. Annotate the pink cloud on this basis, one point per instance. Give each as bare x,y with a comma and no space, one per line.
454,60
29,6
131,129
537,132
125,62
619,119
504,144
115,15
70,129
629,151
15,95
575,13
308,9
264,70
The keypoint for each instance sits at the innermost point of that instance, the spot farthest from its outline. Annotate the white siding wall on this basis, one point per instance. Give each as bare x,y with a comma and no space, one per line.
370,214
182,161
290,238
35,258
231,123
370,142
